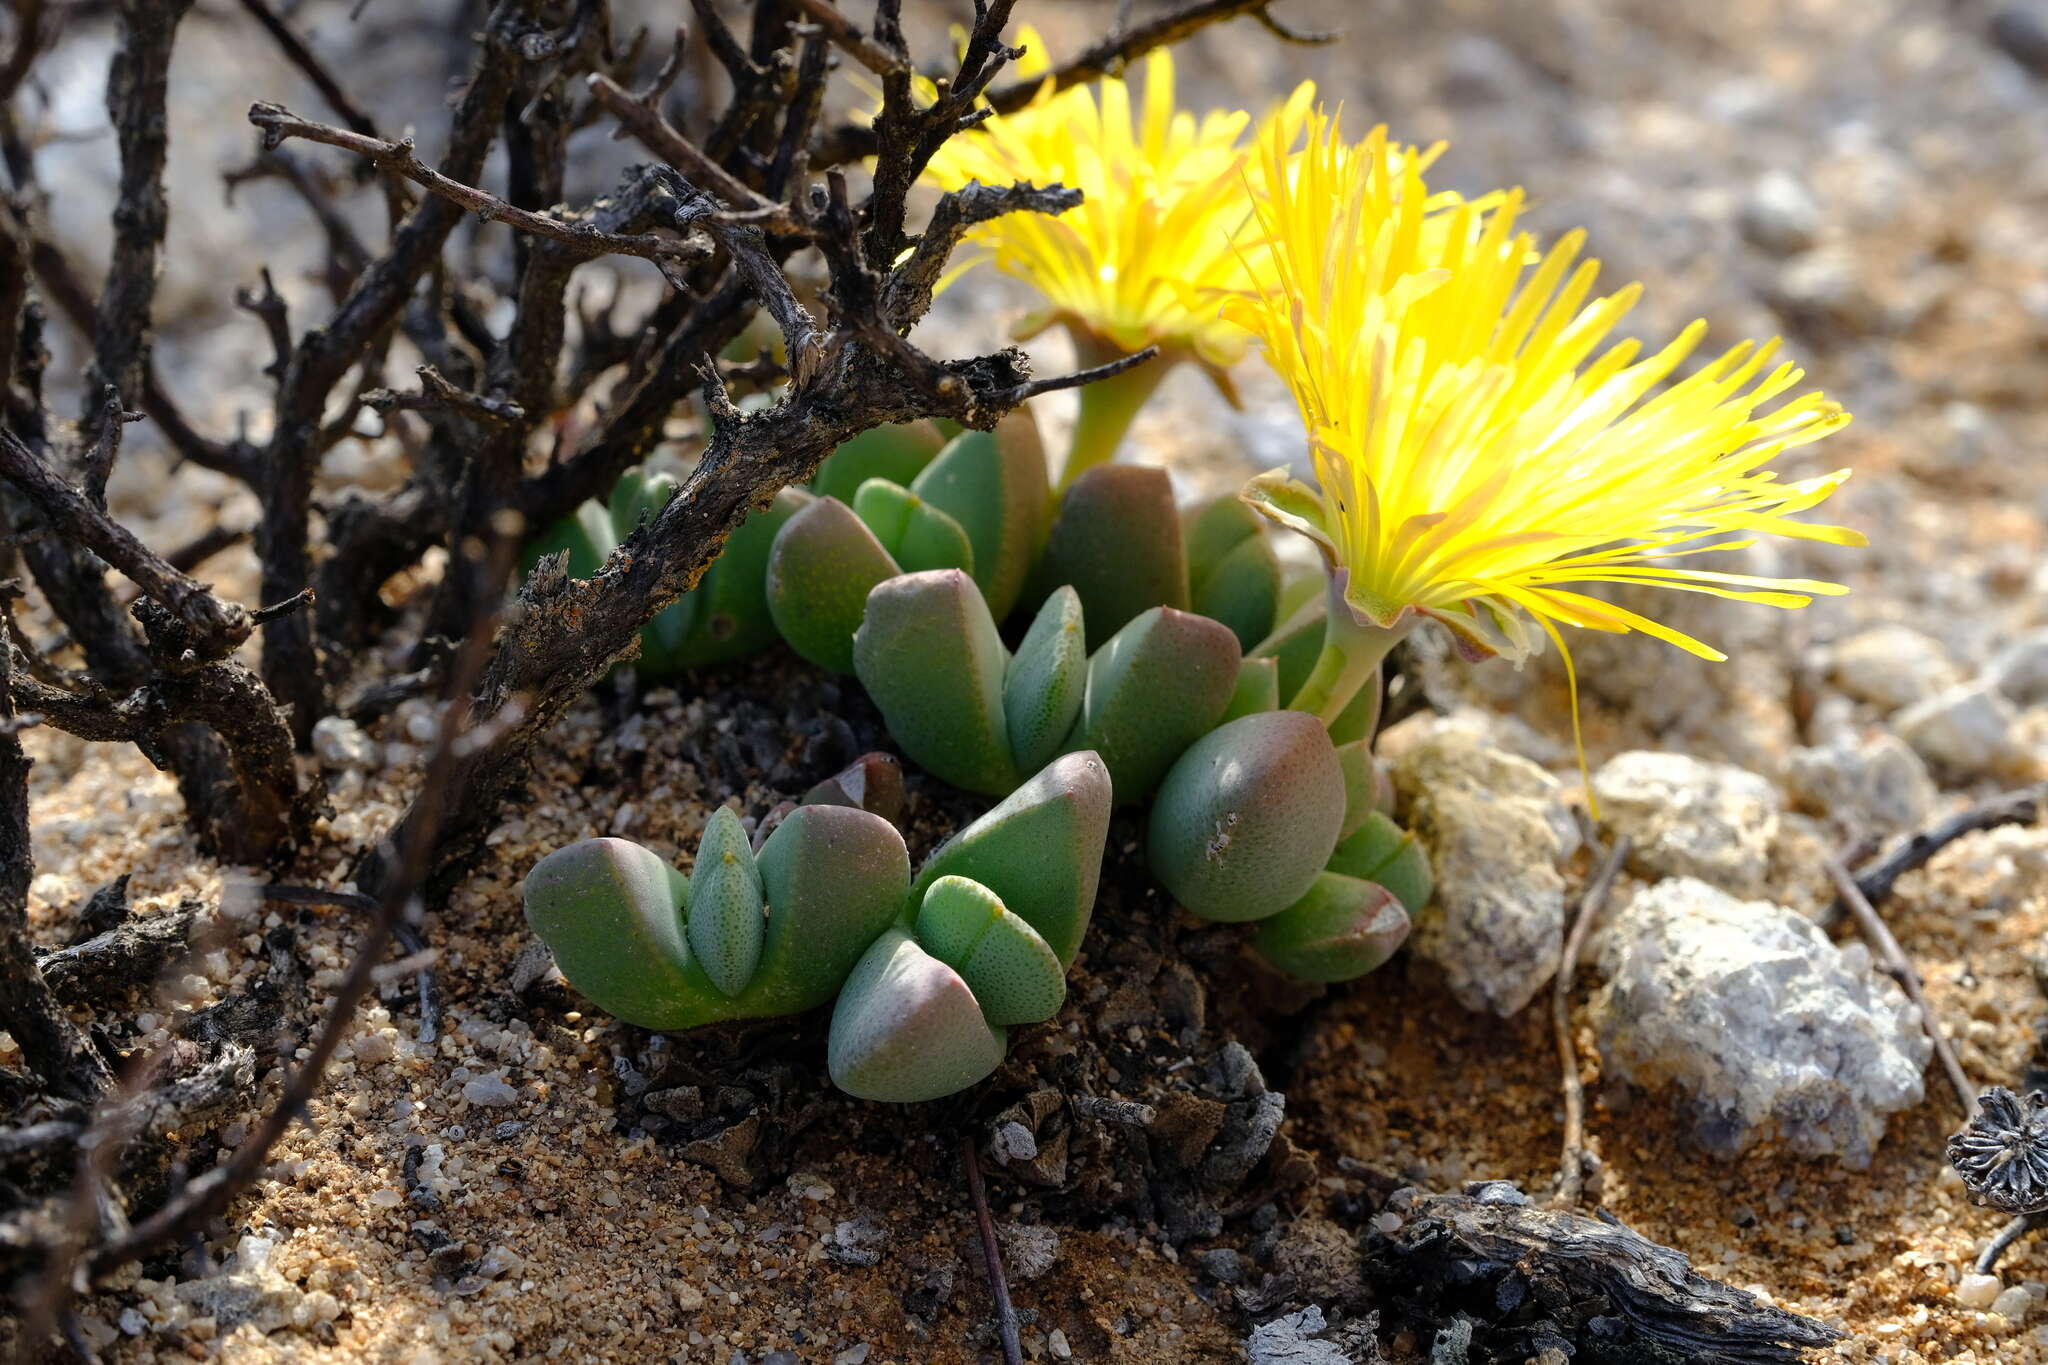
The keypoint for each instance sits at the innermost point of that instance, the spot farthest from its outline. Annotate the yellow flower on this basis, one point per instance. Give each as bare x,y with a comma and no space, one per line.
1481,457
1163,197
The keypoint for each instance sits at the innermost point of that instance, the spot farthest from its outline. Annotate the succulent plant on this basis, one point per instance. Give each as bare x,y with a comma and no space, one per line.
1233,574
1248,816
1116,540
977,506
896,453
663,951
1264,819
969,711
992,923
930,975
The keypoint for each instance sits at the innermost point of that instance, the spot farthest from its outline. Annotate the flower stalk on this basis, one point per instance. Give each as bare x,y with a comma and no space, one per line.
1108,406
1353,650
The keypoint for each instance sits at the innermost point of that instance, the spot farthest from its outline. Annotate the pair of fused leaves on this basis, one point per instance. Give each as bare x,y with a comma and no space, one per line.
978,506
725,616
1120,542
991,926
930,974
969,711
1265,819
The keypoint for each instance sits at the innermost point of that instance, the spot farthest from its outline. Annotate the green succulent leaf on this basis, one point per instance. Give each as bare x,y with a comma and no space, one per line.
994,484
929,656
917,534
1117,541
1233,573
1160,683
1012,971
726,926
1040,850
1248,816
1342,929
1361,785
727,616
612,913
1295,645
1258,689
897,452
1381,851
908,1028
1042,692
820,568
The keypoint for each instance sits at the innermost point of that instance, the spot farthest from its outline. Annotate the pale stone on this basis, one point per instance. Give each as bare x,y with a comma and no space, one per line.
1966,731
1292,1341
1690,818
1495,828
1891,666
2013,1305
1877,787
1779,215
1978,1291
2020,670
1759,1019
341,745
489,1091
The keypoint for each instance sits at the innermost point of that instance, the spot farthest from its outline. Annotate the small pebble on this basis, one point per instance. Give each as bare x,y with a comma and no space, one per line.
1978,1291
489,1091
2013,1305
1056,1342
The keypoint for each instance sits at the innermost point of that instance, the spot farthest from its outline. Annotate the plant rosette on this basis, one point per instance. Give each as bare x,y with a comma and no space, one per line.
930,973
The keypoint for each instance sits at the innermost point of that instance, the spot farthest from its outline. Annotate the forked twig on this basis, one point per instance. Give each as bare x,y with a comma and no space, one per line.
2013,808
1571,1167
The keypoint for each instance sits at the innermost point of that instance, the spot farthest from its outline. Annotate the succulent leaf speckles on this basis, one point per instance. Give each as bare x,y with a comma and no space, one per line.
2002,1154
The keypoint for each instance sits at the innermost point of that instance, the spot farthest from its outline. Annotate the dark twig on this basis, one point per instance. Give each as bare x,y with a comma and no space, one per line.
398,158
1571,1168
137,88
1893,960
844,34
1122,46
658,135
311,67
269,307
28,40
991,1255
54,1047
219,626
406,856
437,394
2013,808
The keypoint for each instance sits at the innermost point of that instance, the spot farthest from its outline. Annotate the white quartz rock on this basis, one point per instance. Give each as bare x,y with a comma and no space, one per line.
1763,1024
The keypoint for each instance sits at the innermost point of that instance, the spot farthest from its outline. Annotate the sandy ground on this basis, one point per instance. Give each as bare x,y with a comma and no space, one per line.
579,1235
